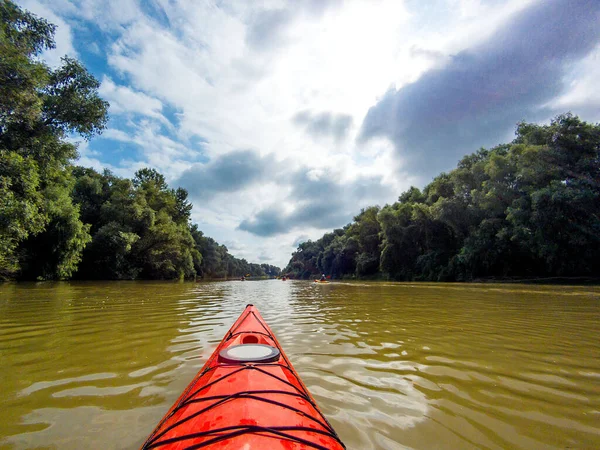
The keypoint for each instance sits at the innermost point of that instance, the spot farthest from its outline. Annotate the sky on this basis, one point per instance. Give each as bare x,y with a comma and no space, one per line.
283,118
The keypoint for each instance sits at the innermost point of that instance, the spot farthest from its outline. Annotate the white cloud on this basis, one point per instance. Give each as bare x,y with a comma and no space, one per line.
117,135
123,100
109,15
581,95
154,149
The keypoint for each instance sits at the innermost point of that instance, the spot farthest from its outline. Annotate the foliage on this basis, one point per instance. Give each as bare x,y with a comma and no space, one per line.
41,234
218,263
525,209
141,229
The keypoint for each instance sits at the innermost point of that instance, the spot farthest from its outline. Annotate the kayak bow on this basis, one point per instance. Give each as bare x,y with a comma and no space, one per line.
247,396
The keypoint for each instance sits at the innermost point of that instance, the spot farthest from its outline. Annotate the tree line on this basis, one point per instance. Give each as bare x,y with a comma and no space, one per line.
60,221
141,228
527,209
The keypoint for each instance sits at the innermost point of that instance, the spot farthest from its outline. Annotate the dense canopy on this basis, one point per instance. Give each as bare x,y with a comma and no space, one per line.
530,208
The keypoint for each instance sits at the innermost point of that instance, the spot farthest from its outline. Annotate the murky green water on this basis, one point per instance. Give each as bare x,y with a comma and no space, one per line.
96,365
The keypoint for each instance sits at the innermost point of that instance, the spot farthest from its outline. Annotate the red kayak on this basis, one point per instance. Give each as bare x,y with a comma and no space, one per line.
247,396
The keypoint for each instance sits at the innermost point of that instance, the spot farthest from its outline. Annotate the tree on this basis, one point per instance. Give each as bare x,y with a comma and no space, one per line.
38,107
140,228
366,230
524,209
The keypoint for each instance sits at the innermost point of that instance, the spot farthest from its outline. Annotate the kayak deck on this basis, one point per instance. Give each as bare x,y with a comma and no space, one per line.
248,396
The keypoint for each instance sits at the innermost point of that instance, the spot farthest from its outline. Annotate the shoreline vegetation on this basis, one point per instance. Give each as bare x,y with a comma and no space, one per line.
567,281
526,210
59,221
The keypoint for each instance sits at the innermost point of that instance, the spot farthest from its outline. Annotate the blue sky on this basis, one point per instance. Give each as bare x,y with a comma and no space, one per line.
283,118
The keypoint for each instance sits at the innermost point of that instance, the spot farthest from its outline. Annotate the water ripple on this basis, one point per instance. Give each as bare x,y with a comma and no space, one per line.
392,365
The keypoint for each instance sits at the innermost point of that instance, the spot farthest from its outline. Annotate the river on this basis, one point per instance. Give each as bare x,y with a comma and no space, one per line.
392,365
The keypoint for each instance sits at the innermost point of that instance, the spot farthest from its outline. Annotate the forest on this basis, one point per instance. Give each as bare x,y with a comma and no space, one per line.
59,221
527,209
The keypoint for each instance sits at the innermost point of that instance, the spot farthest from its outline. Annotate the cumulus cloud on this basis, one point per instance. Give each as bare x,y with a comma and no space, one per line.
264,256
267,28
151,148
581,95
126,100
321,200
319,214
479,95
434,55
108,14
227,173
324,123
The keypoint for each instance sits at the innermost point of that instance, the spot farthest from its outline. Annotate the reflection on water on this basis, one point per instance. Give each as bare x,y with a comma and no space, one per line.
392,365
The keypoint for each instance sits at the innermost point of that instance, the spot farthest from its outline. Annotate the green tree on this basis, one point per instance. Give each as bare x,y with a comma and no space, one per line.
38,107
366,231
525,209
140,227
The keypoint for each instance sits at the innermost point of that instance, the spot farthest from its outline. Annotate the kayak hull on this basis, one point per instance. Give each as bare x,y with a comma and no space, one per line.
248,405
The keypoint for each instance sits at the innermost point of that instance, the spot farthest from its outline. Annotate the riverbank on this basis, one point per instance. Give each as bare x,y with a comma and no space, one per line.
574,281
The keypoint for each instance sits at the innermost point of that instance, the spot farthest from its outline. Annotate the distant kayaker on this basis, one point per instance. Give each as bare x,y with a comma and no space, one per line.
323,277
